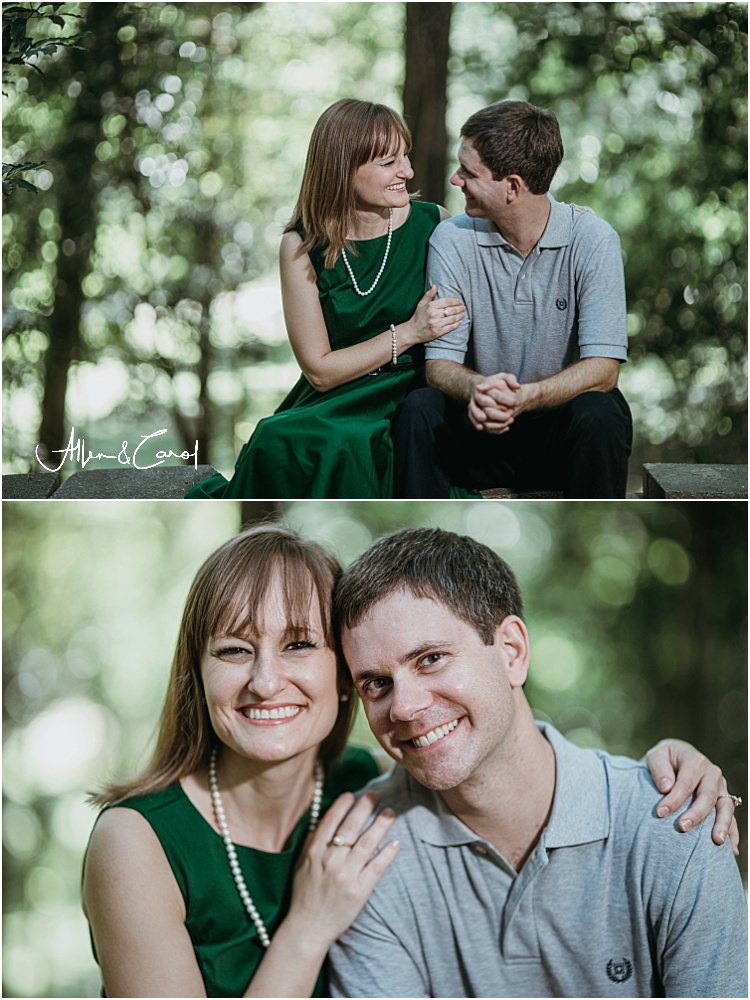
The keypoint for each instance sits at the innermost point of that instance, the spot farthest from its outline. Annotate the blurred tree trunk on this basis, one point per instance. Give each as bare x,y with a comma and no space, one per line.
76,196
258,511
425,93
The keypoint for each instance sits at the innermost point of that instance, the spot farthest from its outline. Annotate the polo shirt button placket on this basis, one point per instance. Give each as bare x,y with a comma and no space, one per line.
523,290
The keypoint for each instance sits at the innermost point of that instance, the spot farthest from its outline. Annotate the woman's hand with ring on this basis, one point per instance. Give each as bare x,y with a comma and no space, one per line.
332,885
435,317
680,770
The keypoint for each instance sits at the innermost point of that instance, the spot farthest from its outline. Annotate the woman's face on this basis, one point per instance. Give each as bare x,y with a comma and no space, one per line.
272,696
381,183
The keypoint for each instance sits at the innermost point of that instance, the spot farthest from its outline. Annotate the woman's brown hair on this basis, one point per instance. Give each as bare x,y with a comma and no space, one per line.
228,594
347,135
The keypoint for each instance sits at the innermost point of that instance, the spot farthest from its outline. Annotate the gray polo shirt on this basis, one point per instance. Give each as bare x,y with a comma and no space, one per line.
612,902
531,316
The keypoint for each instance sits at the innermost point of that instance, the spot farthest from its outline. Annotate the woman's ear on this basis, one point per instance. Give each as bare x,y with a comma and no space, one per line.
513,639
345,683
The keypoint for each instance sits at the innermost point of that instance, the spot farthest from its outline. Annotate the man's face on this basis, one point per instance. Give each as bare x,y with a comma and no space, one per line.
438,700
484,195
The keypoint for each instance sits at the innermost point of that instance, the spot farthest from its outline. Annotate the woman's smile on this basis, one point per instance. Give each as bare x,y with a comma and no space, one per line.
273,714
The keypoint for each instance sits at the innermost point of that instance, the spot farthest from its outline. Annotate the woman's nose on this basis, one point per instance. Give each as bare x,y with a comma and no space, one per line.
266,678
405,169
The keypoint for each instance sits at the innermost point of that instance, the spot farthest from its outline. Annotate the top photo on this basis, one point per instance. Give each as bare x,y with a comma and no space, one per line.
283,251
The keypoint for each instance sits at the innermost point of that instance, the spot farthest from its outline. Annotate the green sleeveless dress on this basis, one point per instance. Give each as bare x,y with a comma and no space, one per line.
337,444
224,937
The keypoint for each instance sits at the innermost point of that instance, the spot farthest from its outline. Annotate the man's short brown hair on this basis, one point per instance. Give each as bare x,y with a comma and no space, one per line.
514,137
470,579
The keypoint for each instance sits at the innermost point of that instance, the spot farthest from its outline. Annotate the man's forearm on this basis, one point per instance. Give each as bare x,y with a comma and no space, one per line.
450,377
588,375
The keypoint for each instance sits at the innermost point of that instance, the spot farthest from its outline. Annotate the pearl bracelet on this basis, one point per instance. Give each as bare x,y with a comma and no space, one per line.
394,346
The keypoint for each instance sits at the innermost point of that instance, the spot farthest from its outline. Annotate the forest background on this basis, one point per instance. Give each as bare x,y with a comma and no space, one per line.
637,614
141,287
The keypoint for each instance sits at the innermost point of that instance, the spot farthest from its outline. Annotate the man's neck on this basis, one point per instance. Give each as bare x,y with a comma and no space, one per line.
524,225
509,805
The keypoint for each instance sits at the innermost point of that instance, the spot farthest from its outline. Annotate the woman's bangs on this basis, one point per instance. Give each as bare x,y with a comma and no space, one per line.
389,134
243,607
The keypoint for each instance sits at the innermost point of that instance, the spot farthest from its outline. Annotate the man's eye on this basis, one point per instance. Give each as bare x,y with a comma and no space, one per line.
431,659
376,686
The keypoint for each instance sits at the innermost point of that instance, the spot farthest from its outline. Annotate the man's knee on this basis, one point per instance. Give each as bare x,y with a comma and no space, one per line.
605,415
421,408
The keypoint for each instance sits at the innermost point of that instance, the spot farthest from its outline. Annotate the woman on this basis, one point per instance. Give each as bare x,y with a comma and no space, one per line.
352,280
200,878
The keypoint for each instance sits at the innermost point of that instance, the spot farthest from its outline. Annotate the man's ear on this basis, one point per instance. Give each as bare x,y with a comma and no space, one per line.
516,186
513,639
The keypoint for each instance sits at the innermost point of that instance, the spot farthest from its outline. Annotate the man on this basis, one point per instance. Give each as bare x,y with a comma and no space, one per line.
525,390
528,867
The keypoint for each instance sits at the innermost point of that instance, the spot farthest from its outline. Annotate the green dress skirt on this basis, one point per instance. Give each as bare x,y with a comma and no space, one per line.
337,444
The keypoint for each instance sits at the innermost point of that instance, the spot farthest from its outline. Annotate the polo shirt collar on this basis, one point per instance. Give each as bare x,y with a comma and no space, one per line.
556,232
580,813
433,821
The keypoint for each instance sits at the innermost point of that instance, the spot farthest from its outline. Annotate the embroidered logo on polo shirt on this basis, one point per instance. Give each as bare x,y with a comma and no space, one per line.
561,304
619,970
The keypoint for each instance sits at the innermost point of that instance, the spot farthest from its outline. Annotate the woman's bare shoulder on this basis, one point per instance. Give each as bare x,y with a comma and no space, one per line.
294,260
291,246
123,851
121,833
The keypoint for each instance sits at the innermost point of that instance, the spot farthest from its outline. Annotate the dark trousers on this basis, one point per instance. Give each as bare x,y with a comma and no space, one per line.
581,448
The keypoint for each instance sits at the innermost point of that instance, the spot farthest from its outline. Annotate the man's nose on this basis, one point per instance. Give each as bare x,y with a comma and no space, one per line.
456,179
409,699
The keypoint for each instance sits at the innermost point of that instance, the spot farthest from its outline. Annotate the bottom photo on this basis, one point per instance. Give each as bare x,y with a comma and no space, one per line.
545,703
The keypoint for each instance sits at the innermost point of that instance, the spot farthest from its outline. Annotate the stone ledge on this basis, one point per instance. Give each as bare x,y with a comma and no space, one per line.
504,494
30,485
663,481
169,482
165,483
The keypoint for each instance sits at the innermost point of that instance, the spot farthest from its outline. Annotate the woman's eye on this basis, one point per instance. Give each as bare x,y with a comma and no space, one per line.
302,644
230,652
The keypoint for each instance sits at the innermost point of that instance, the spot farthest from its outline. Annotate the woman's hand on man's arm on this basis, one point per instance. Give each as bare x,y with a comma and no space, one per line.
326,368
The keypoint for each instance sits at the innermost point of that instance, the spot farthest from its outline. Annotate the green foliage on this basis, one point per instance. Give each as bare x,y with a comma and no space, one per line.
198,121
12,176
21,50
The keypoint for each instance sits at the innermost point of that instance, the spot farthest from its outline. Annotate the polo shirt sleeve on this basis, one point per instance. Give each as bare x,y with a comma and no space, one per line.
600,298
702,943
370,961
444,273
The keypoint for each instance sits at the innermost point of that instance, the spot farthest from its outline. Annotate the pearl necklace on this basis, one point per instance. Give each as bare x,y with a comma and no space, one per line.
234,864
382,266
